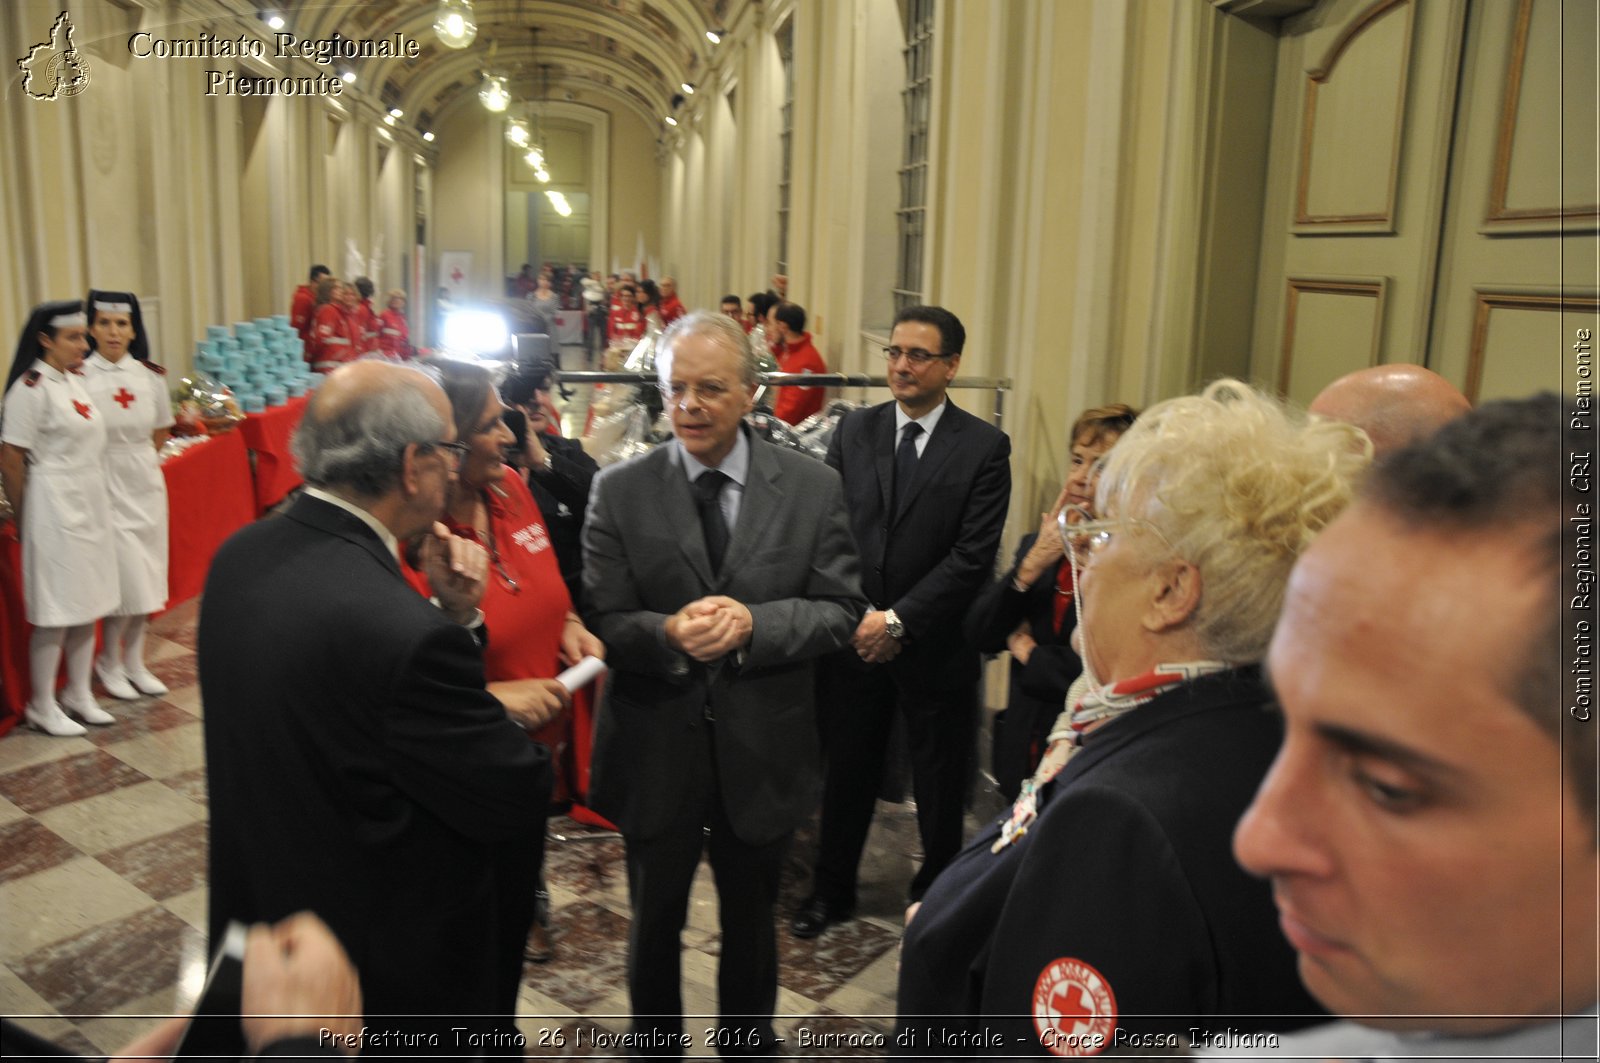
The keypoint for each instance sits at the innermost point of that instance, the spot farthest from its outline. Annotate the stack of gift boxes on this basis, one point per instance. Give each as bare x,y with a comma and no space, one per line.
262,361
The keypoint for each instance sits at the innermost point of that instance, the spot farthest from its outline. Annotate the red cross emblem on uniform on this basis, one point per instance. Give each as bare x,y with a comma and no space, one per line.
1074,1009
83,408
124,398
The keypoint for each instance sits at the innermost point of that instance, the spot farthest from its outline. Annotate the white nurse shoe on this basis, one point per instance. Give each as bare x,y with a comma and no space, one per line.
85,708
115,680
145,682
52,721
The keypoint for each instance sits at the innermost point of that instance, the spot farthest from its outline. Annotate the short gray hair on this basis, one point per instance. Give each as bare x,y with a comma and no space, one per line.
362,447
1240,484
719,327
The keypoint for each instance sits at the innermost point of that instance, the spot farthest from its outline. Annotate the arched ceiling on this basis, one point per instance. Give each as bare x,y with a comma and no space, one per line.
633,53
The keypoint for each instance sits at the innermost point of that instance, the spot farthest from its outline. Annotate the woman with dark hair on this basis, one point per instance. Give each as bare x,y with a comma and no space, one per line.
130,391
52,461
535,631
1028,610
559,469
650,305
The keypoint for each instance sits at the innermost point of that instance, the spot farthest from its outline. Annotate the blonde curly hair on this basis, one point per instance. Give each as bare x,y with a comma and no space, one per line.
1240,484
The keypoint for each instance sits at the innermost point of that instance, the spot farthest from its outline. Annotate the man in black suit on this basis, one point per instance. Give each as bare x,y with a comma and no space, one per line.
927,486
356,766
717,567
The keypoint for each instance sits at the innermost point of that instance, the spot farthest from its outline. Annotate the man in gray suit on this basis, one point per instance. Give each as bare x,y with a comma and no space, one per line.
717,567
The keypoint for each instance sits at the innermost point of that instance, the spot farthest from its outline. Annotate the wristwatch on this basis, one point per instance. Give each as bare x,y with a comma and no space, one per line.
892,625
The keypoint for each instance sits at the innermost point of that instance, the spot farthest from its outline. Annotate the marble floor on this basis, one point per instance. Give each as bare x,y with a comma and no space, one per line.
103,894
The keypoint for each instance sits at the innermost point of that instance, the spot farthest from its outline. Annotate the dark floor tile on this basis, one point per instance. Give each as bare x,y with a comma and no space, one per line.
163,866
30,846
817,967
105,967
179,671
590,964
138,718
191,784
43,786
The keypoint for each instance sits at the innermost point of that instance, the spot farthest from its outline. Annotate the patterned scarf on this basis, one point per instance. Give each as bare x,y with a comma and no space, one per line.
1097,706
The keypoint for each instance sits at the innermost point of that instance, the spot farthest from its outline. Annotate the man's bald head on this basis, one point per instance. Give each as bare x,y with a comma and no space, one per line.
1394,404
358,424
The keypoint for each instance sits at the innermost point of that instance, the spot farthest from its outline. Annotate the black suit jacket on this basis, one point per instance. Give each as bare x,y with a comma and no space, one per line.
358,768
928,562
791,562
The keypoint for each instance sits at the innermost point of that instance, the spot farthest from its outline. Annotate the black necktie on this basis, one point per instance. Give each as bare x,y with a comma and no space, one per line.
905,465
708,497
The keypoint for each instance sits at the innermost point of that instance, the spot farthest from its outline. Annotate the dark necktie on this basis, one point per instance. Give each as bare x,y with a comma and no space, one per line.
905,465
708,498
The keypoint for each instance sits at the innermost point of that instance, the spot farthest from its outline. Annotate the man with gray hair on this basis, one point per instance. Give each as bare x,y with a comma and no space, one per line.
356,766
717,568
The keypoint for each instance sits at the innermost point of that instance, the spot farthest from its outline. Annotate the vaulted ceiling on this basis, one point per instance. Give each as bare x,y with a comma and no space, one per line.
633,53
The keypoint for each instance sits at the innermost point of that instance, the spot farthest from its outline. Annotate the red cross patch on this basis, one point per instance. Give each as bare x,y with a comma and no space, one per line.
1074,1010
83,408
124,398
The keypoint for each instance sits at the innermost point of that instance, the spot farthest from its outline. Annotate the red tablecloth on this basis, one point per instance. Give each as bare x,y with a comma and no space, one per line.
209,497
267,434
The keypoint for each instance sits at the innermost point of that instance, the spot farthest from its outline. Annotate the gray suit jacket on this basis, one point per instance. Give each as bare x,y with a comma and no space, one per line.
791,560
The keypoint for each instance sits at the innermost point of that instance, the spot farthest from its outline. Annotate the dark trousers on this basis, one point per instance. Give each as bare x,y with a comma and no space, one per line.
856,705
660,874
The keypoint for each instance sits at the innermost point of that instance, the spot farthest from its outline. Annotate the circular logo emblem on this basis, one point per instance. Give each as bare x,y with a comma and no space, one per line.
67,75
1074,1010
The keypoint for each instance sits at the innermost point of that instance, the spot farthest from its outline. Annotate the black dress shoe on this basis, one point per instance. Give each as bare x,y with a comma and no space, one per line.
815,916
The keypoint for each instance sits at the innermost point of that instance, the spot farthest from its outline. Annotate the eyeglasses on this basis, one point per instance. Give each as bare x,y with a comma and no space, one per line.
914,355
707,392
455,451
1084,535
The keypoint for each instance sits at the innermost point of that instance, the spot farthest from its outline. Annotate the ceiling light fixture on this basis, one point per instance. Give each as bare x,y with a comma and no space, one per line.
688,89
454,24
271,18
670,120
715,36
348,77
517,133
428,136
494,94
395,112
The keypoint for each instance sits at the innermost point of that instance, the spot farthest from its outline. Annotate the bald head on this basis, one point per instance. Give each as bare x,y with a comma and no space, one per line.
359,423
1394,404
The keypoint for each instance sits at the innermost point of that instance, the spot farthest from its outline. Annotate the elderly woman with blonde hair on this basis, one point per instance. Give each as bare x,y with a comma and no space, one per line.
1104,910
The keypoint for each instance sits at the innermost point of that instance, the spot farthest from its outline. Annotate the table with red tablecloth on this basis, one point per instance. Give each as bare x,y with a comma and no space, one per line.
209,496
267,435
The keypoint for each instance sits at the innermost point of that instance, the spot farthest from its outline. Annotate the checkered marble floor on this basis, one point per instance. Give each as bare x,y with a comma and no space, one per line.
103,894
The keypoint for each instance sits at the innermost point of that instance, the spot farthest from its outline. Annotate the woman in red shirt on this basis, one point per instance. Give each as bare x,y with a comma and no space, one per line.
626,324
333,333
394,334
534,632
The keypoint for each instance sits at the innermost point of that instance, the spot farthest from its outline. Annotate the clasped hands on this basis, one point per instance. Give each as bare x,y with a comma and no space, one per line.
709,628
872,640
